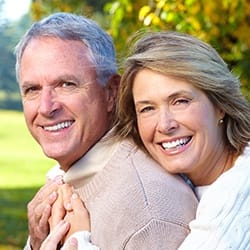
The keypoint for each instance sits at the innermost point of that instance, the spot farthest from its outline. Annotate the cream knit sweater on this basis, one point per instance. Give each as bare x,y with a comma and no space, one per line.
223,215
134,204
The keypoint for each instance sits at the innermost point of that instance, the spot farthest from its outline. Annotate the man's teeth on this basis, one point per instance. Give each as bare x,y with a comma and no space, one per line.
58,126
174,144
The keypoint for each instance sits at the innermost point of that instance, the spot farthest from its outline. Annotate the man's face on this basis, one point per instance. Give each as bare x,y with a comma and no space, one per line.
65,108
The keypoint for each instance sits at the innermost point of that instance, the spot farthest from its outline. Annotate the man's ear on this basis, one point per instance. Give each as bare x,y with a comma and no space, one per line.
112,91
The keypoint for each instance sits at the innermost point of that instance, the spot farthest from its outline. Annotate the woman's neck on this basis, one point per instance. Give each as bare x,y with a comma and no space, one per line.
216,167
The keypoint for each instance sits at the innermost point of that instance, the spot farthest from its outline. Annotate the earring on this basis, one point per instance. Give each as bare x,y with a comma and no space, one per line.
221,121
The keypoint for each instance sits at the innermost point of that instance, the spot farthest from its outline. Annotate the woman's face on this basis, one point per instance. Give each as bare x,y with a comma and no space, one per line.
178,125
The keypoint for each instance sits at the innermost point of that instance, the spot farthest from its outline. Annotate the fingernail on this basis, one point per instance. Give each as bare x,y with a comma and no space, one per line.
74,196
53,195
68,206
65,223
58,179
73,242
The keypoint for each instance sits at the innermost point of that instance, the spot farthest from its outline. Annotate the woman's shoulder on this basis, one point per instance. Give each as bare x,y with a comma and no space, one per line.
231,189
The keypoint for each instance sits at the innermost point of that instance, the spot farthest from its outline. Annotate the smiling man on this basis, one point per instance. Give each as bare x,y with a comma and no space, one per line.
65,107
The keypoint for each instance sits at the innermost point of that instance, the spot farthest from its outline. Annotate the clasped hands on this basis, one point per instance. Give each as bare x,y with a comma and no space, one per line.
55,213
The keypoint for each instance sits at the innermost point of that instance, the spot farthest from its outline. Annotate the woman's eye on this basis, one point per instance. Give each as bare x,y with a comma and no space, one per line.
145,109
181,101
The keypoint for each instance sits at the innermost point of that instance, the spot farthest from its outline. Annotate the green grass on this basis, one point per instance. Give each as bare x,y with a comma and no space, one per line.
22,171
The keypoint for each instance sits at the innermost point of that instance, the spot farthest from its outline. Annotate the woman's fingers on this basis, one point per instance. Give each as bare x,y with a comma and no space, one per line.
70,244
55,236
78,216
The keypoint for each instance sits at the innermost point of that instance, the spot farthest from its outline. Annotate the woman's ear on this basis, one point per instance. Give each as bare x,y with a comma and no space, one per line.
221,115
112,91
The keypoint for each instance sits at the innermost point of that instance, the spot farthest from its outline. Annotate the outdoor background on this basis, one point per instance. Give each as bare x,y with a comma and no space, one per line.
225,24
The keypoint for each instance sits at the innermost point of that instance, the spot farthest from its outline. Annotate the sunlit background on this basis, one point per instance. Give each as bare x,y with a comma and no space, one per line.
224,24
15,9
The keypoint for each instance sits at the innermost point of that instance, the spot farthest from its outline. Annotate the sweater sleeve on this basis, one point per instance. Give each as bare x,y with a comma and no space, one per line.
223,216
160,235
27,245
83,239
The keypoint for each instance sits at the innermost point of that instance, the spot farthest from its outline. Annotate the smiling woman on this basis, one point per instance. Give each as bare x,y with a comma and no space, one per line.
179,101
15,9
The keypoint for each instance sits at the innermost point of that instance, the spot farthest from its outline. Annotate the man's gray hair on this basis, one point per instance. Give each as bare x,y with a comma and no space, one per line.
67,26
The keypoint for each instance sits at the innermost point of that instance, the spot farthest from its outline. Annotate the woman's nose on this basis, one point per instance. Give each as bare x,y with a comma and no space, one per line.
166,122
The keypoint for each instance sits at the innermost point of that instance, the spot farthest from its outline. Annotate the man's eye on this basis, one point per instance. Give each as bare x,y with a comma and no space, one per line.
30,90
68,84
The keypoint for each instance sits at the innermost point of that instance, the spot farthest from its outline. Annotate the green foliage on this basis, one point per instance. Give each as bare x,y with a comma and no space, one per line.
86,7
10,33
23,168
8,81
123,16
13,217
224,24
203,19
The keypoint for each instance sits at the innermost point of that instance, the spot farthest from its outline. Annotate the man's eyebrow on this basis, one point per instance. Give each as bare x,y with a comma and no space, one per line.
28,84
65,77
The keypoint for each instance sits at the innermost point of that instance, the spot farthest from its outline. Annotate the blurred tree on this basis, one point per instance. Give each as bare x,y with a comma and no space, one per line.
229,35
224,24
10,33
40,8
7,59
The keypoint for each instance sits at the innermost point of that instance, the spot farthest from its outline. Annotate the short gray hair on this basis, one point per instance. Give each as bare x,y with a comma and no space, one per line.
67,26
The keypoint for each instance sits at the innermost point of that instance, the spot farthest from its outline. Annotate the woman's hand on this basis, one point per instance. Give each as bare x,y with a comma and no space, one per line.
77,216
70,216
59,207
56,235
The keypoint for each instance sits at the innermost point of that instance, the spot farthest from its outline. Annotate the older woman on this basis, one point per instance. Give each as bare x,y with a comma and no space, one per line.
180,102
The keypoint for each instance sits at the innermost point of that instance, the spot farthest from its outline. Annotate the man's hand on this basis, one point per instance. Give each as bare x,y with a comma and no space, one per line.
39,211
69,208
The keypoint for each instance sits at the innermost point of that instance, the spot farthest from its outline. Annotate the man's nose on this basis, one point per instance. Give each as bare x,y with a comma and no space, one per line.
48,102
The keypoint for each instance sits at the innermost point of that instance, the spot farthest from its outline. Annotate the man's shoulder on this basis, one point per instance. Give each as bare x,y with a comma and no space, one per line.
139,173
146,167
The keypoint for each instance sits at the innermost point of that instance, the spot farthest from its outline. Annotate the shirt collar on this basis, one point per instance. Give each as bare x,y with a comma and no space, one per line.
87,166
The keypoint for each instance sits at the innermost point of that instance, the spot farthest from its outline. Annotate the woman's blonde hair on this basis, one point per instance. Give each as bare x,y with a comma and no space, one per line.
186,58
